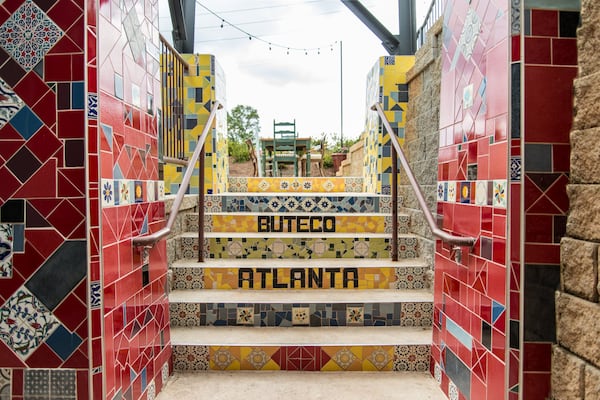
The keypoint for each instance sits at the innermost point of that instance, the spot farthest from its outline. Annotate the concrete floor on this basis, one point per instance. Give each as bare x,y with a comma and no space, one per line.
288,385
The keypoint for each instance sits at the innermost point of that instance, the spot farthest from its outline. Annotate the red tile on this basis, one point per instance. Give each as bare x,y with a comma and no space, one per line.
478,388
497,282
45,241
558,193
539,228
516,48
78,67
499,250
82,384
9,184
498,343
71,124
77,33
466,222
498,161
538,50
43,144
66,217
564,51
57,67
497,80
537,357
65,14
9,359
31,88
43,357
65,46
542,253
542,99
536,386
544,23
560,157
41,184
496,379
46,109
499,225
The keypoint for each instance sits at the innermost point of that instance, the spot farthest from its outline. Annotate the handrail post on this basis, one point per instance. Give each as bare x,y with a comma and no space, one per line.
394,204
201,206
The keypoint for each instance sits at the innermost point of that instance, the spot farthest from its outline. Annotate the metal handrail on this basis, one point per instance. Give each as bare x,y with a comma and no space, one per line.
435,11
150,240
437,232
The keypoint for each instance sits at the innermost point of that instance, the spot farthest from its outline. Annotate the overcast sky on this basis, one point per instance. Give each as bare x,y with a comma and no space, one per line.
295,86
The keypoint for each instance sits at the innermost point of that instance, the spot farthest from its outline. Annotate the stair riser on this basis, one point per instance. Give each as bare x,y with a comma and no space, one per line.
278,203
314,314
233,278
302,358
295,185
302,248
297,223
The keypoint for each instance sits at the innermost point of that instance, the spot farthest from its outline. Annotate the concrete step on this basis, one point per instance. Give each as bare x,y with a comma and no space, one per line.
290,385
298,222
388,348
298,202
300,308
295,184
296,245
322,273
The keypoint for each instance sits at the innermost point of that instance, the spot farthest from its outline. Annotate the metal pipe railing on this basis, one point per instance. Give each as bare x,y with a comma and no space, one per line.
150,240
436,9
437,232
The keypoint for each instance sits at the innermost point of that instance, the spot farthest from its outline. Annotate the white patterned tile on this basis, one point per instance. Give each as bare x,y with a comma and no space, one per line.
245,315
25,323
5,383
165,372
437,373
160,190
151,191
451,192
441,191
10,103
344,358
481,193
6,250
355,315
108,192
452,391
361,248
300,315
500,192
28,40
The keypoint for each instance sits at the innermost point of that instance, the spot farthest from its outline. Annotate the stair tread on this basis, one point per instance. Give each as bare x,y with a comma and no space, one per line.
284,235
294,385
300,296
300,213
299,263
303,193
300,335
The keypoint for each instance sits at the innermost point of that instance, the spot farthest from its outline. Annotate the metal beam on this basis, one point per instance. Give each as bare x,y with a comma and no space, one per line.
389,41
183,17
408,27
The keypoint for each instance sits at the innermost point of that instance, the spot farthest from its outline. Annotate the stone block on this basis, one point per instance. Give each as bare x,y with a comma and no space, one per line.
567,375
577,326
584,215
587,101
592,383
585,156
579,268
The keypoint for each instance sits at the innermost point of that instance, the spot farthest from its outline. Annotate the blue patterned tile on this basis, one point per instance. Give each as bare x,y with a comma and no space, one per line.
95,294
108,193
92,106
10,103
28,40
515,169
25,323
6,250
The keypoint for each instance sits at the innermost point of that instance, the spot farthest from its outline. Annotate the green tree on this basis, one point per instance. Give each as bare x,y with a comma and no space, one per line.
242,123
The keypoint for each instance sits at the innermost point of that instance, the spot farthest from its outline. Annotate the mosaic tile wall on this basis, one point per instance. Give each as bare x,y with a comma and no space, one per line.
43,106
204,84
303,185
470,298
314,314
130,287
549,55
302,358
386,84
497,145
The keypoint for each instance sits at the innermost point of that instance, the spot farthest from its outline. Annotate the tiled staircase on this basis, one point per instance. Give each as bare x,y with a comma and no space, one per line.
298,276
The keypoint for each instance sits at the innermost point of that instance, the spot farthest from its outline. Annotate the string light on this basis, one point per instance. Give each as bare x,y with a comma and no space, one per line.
251,36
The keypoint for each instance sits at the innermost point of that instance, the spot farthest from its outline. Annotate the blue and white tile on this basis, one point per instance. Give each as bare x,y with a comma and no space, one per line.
6,250
28,40
95,294
92,106
10,103
107,192
515,169
500,193
25,323
481,193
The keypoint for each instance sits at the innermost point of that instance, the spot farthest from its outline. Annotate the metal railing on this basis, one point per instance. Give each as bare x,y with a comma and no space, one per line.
172,68
198,155
398,153
436,10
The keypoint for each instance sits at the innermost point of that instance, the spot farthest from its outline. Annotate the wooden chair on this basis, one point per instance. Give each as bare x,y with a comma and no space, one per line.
252,156
284,146
317,154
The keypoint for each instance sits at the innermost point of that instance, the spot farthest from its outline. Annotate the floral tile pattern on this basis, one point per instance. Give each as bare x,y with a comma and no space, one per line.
10,103
25,323
190,358
6,250
300,315
5,383
355,315
245,315
28,35
411,358
500,193
108,192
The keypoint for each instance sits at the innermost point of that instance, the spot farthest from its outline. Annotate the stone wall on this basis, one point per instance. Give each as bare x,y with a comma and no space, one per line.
422,132
576,357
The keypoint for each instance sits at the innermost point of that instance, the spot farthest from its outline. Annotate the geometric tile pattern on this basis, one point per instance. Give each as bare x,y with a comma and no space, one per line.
286,184
313,314
25,323
302,358
5,383
28,39
6,250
